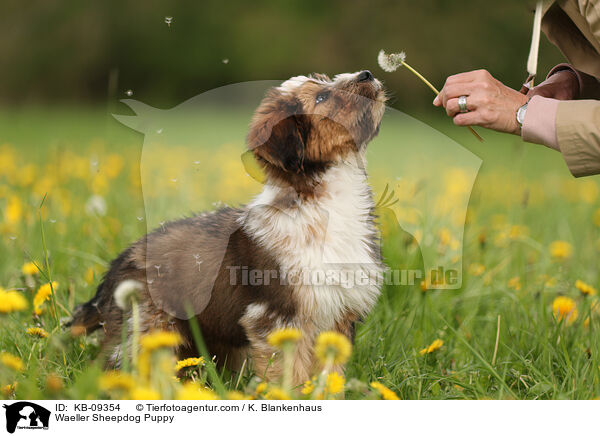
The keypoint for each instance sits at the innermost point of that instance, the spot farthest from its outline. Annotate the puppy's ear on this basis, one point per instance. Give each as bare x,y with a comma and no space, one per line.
278,132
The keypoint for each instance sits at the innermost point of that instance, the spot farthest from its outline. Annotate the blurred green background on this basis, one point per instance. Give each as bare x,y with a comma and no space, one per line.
93,52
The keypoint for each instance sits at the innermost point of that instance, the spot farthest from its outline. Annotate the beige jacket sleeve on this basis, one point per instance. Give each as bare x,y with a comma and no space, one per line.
574,26
578,135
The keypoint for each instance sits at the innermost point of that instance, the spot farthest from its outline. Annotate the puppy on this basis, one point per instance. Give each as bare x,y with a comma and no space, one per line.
308,231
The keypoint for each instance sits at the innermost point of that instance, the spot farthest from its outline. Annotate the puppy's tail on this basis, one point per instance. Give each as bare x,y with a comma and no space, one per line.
87,317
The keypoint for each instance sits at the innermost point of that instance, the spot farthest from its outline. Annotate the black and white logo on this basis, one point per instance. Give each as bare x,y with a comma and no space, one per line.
24,415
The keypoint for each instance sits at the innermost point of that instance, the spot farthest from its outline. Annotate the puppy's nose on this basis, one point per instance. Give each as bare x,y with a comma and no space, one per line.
364,76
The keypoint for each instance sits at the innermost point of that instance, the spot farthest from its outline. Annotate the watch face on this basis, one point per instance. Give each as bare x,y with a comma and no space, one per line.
521,114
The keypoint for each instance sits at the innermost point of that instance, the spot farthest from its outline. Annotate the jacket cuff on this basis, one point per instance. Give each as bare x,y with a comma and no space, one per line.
589,86
568,67
539,125
579,143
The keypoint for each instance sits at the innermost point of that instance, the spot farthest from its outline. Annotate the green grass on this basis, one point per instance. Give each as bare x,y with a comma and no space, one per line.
536,356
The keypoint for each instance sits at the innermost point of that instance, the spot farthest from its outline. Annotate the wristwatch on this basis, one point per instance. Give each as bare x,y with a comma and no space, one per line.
521,114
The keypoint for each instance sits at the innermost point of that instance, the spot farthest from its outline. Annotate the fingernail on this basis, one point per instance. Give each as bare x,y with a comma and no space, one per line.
435,100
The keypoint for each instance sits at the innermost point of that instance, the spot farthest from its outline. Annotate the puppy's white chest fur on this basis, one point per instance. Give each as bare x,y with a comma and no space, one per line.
326,245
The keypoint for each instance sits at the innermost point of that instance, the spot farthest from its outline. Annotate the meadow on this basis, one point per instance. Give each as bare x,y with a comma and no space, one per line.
523,324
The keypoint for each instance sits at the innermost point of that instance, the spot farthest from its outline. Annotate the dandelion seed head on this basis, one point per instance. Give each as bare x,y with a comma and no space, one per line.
390,62
125,292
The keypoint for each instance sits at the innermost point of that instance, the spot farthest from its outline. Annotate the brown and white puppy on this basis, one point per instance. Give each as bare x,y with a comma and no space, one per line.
313,219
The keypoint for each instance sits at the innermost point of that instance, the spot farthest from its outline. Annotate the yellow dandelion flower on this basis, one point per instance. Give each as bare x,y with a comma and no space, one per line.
37,332
141,394
116,381
518,232
276,393
435,345
283,337
561,250
476,269
309,386
565,308
88,276
335,383
42,295
11,301
14,210
113,165
189,362
445,236
385,392
549,282
8,390
597,217
237,395
261,388
584,288
160,339
334,346
54,383
29,269
515,283
11,361
193,391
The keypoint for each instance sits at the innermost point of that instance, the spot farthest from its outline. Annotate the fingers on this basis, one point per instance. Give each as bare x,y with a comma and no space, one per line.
468,119
462,84
452,107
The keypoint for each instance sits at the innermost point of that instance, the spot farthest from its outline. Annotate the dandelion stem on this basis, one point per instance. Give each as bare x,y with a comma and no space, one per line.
323,377
288,366
416,73
497,340
215,379
135,339
47,262
434,89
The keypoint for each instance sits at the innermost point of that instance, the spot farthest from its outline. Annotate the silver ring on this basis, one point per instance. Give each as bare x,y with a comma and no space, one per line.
462,104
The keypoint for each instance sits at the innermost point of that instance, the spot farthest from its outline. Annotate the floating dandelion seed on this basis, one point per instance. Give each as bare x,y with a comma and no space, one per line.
225,61
129,93
391,62
159,131
168,21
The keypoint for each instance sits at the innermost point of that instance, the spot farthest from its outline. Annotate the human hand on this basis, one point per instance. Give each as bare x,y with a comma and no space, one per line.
562,85
491,104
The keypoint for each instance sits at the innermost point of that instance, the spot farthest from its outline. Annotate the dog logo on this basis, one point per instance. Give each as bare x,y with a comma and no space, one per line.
26,415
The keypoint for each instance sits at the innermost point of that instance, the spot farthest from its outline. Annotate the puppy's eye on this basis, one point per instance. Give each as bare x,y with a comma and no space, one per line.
321,97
